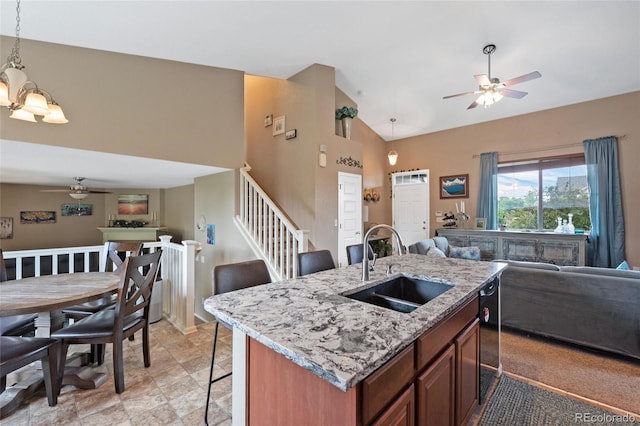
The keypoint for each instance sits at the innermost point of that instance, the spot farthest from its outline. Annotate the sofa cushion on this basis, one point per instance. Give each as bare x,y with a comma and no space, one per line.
609,272
435,252
442,243
469,253
624,265
421,247
531,265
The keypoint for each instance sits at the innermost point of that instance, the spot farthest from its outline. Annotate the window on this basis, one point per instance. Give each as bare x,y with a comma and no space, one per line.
534,194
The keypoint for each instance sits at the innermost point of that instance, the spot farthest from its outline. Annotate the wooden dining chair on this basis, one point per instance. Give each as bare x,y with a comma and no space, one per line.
355,253
17,352
314,261
232,277
113,255
14,325
131,314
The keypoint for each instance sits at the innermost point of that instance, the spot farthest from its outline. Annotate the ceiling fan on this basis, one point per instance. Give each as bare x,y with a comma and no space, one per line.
77,191
491,89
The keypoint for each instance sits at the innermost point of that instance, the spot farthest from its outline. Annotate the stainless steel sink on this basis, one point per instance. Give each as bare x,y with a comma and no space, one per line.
401,293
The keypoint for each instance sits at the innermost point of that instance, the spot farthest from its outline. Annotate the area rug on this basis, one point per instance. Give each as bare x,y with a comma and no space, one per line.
515,403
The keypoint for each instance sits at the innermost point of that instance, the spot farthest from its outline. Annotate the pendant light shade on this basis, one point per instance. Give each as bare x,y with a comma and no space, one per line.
22,96
393,155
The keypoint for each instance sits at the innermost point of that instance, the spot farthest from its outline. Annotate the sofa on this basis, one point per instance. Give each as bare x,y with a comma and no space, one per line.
440,247
593,307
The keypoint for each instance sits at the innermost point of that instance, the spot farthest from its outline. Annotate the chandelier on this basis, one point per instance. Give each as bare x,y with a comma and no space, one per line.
23,97
393,155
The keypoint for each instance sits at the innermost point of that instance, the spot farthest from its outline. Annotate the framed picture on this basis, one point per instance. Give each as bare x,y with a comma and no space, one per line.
481,223
6,228
211,234
133,204
290,134
278,125
268,120
76,209
38,216
455,186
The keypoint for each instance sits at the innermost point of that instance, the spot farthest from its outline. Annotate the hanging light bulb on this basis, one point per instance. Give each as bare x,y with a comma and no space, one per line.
393,156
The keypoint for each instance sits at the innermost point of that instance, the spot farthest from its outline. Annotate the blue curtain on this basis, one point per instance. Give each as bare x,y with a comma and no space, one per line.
488,191
606,240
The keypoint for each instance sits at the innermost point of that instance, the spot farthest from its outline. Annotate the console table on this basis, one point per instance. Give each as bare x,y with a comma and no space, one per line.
530,246
132,234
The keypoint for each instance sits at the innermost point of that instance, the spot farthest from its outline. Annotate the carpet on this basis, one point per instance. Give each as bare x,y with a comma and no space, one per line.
515,403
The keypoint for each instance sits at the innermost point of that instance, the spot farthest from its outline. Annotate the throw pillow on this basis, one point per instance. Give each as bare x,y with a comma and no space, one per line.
469,253
624,266
435,252
442,243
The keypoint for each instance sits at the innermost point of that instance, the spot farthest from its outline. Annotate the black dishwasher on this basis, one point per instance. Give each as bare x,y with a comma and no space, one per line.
489,314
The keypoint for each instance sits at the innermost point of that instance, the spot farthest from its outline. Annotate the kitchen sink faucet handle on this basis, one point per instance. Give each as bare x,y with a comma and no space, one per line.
390,268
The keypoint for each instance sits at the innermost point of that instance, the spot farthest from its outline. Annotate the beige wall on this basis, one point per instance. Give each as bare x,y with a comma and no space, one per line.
214,198
288,170
134,105
178,212
534,135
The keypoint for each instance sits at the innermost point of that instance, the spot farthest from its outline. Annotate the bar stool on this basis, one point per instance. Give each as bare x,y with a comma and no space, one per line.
227,278
314,261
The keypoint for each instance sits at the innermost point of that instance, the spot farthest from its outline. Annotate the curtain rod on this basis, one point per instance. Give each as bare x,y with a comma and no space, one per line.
526,151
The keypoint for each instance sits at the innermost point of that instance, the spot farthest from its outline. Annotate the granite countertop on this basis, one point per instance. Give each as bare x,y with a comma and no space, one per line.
339,339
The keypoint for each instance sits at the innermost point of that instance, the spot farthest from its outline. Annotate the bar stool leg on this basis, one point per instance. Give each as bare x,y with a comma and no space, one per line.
211,379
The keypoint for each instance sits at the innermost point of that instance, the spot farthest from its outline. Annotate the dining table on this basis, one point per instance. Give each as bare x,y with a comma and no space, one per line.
47,296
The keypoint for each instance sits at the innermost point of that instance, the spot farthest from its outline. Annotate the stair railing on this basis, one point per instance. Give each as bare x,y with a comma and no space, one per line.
275,238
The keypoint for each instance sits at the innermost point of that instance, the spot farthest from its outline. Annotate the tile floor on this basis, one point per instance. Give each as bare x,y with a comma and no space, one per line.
170,392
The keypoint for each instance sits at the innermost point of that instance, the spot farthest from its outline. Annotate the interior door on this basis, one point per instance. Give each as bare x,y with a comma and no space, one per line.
411,205
349,213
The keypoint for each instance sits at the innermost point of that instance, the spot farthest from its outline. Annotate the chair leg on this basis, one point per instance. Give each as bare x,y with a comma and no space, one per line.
118,366
145,346
64,348
50,372
211,379
3,383
100,351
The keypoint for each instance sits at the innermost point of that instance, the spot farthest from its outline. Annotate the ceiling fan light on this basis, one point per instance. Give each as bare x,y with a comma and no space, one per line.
35,103
78,195
393,157
55,115
4,94
20,114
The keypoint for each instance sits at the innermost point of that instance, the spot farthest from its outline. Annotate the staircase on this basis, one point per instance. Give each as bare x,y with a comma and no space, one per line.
271,235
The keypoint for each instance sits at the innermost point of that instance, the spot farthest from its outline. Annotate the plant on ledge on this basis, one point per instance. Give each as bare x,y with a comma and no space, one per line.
128,224
346,112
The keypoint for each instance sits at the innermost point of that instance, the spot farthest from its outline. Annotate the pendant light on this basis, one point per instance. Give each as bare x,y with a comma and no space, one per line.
393,156
23,97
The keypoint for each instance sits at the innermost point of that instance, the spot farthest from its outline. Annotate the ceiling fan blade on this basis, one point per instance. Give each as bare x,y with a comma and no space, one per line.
473,104
522,78
99,192
482,79
461,94
512,93
55,190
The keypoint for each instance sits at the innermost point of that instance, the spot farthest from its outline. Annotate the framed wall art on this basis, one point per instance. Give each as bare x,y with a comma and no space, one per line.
6,228
37,216
133,204
455,186
278,125
76,209
481,223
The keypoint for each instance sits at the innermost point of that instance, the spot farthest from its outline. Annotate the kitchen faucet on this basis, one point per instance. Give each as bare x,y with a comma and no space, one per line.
365,243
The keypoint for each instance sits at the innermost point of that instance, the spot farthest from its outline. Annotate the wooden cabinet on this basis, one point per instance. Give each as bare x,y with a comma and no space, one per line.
547,247
433,381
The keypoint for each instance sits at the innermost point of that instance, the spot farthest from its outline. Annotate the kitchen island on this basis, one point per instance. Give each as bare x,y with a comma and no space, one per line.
337,342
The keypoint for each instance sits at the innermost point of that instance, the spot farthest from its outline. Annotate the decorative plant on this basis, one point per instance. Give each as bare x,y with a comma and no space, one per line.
346,111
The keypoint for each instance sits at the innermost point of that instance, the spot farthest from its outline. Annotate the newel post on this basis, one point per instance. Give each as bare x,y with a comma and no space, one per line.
189,280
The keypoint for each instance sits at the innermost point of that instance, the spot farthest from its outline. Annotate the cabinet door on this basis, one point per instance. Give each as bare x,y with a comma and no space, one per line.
467,355
401,412
436,391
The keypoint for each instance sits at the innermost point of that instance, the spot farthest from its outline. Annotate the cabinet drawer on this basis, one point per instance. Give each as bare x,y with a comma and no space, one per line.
435,340
383,385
